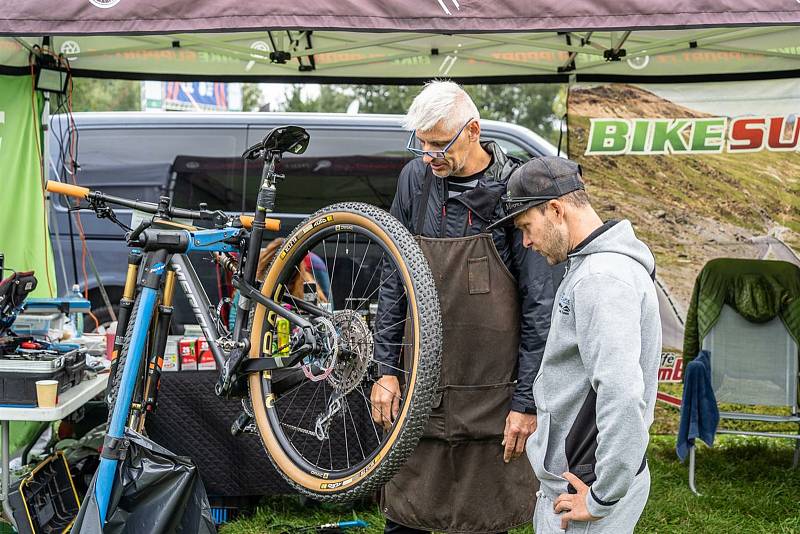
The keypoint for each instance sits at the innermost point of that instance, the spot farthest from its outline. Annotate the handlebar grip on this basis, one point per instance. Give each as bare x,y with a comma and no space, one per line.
68,189
273,225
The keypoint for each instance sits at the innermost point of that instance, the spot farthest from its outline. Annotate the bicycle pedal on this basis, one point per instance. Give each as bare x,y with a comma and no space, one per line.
241,424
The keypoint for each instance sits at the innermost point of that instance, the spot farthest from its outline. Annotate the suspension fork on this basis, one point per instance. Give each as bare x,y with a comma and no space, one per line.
155,362
115,446
124,314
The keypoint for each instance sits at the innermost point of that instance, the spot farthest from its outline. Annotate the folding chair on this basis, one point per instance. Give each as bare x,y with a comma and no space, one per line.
752,364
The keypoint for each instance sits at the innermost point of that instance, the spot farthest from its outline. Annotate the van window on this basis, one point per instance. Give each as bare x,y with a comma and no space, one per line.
137,162
339,165
511,148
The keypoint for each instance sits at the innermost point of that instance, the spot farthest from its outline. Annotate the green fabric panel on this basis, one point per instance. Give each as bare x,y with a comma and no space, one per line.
21,433
24,238
759,290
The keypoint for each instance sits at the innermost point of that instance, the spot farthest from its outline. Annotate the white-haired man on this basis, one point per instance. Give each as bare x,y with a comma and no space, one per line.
460,479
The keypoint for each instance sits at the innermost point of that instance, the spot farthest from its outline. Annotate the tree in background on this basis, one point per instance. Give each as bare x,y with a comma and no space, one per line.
330,99
529,105
251,97
89,94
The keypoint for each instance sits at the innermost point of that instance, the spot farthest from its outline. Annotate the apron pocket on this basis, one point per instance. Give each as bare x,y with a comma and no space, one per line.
436,426
479,281
478,412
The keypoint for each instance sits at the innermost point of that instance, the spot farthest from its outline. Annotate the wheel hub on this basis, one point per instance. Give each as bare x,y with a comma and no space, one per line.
354,351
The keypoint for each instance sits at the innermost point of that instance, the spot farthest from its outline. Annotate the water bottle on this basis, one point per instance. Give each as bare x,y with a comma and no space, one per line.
76,318
284,328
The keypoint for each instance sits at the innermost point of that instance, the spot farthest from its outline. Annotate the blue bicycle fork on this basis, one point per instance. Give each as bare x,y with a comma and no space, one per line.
106,472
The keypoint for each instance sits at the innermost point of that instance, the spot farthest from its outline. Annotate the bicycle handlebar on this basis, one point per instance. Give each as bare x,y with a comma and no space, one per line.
76,191
273,225
68,189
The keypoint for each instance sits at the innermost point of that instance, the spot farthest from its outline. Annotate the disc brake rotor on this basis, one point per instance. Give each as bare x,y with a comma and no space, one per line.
355,347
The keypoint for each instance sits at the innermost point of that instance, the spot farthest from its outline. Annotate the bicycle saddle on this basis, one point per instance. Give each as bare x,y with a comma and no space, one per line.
293,139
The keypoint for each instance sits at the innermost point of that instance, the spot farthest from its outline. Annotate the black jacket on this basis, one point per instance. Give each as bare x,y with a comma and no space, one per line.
465,215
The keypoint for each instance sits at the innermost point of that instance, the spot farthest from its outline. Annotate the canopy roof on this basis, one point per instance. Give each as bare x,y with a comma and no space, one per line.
407,41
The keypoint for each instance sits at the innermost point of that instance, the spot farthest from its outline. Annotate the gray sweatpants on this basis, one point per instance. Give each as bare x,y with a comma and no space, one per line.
621,520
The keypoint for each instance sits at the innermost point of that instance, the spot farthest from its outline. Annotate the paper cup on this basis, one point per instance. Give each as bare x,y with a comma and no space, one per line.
47,393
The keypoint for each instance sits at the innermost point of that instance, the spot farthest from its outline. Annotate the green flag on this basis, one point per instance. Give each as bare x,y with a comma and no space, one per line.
24,237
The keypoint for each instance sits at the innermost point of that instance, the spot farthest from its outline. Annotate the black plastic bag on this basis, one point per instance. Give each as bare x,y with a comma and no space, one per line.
159,492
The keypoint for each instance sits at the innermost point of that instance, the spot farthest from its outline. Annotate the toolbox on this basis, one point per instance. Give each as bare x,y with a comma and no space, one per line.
20,371
45,501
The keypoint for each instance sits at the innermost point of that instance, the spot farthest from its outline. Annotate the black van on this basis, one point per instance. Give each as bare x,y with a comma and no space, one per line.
195,157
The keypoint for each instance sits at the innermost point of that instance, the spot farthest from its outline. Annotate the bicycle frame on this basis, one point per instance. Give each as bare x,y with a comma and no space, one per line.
154,265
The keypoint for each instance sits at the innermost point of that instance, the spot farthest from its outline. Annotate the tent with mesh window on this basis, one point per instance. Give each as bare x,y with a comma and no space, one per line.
410,40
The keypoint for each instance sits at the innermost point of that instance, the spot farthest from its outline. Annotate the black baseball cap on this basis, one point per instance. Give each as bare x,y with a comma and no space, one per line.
524,186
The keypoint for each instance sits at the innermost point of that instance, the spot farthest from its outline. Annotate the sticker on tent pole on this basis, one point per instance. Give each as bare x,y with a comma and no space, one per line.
70,49
638,63
104,4
259,46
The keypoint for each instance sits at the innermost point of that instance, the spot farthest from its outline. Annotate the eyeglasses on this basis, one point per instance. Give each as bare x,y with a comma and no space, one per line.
435,154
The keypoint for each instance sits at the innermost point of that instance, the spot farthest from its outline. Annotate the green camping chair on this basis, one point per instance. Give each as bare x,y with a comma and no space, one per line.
752,363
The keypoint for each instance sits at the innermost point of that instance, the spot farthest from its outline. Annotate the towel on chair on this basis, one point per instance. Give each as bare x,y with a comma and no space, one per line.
699,412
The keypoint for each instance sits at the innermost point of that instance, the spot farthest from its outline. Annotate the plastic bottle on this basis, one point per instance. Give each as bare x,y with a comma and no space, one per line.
284,328
76,318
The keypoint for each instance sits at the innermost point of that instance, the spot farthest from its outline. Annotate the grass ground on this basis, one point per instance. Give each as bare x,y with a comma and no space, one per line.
746,483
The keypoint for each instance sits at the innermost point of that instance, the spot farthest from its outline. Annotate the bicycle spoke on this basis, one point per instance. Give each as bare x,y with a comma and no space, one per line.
353,269
346,445
306,410
367,404
381,284
371,278
322,443
296,390
390,326
355,428
333,271
389,366
363,258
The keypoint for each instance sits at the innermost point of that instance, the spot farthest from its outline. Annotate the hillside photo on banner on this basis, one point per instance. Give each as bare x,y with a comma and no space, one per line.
703,170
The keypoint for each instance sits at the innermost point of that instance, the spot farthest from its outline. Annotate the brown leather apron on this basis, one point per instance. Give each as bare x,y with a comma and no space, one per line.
456,480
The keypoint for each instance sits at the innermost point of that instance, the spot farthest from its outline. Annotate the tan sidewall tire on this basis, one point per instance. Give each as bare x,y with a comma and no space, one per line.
304,480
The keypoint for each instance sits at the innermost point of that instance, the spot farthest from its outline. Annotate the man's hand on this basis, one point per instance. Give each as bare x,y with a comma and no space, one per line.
518,427
385,399
573,504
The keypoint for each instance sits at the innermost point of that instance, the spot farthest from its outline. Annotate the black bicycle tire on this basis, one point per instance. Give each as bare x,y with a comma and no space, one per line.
427,375
122,358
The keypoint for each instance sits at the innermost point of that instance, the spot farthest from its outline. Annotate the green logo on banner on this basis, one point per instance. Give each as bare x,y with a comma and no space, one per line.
610,137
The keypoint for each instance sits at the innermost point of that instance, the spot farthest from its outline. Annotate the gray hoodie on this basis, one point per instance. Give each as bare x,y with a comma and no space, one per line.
596,388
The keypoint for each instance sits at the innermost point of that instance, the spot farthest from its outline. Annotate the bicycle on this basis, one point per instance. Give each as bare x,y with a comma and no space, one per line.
325,357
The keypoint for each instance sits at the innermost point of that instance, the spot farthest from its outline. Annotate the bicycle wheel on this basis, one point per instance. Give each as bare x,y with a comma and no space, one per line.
314,420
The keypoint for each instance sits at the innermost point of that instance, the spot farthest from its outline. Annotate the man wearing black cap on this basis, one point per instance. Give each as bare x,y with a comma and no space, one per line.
596,387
